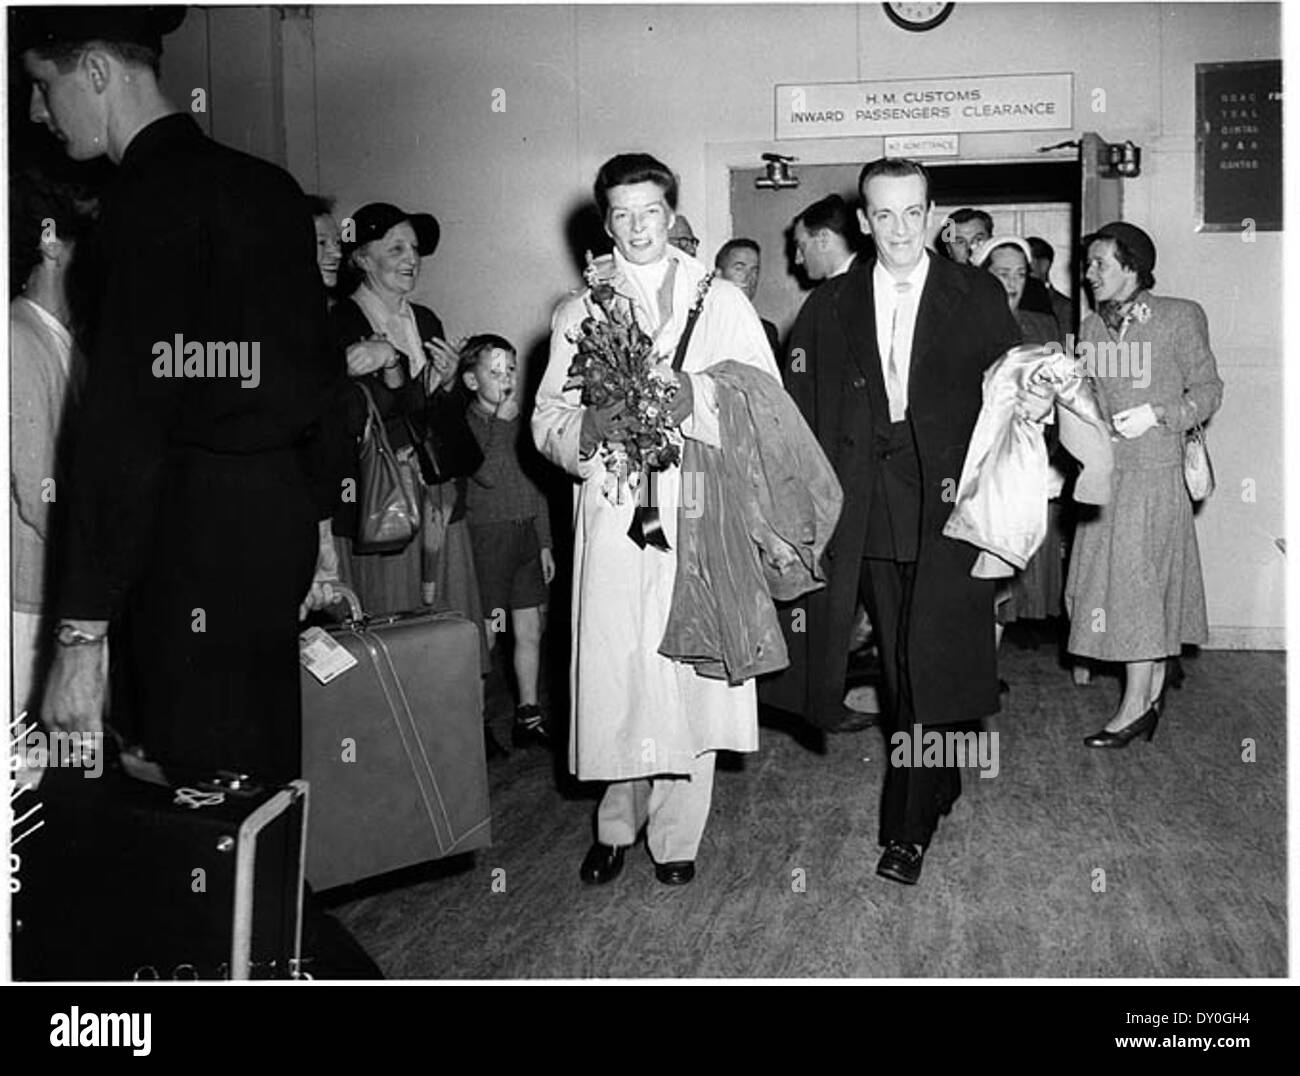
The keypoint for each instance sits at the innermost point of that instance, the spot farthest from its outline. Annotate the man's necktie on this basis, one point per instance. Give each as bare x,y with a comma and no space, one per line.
897,353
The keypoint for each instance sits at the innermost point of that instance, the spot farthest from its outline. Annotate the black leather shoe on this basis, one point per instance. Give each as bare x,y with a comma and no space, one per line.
851,721
901,862
602,863
677,873
1146,724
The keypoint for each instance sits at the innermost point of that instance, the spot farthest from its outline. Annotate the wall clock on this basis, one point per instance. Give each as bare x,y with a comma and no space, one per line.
917,16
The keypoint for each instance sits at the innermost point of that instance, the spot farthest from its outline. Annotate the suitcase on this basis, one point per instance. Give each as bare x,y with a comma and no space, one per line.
126,879
393,748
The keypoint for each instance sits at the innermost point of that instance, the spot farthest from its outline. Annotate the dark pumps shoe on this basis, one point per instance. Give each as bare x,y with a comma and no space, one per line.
1144,724
901,863
678,872
602,863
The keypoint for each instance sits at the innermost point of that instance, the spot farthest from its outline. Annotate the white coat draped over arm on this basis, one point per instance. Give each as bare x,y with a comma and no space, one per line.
1001,499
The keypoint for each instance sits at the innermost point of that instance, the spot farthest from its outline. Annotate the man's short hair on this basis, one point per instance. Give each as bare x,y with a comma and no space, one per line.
895,168
478,346
1042,249
731,246
965,216
65,55
629,168
833,214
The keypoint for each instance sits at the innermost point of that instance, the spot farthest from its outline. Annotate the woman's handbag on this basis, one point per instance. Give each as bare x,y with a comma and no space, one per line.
389,501
448,448
1198,472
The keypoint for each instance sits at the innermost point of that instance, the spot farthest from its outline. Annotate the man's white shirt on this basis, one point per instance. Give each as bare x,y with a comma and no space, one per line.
886,299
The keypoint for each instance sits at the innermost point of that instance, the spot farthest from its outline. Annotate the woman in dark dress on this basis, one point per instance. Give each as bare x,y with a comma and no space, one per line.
396,349
331,553
329,244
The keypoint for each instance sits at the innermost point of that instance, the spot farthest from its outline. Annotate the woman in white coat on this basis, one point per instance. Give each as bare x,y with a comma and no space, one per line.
647,725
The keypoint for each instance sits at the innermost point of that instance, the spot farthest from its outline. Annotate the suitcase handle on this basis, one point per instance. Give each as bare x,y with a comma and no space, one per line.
356,615
349,596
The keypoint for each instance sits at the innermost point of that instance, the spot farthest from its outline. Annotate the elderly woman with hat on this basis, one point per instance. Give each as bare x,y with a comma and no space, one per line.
396,349
1134,590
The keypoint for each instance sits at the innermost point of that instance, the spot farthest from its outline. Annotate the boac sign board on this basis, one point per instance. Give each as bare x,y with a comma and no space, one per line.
925,106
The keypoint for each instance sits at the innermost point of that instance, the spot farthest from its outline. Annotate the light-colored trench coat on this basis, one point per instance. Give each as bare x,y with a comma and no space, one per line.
635,713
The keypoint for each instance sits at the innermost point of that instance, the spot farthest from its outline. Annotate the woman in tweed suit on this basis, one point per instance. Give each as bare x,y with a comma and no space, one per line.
1134,591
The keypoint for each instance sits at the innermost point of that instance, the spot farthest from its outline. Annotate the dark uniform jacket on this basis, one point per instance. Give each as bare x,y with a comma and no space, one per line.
201,241
195,493
963,324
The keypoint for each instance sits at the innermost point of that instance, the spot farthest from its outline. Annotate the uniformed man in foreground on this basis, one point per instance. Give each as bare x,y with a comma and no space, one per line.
202,459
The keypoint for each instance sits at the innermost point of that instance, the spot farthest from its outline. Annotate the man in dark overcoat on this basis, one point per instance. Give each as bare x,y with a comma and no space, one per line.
886,363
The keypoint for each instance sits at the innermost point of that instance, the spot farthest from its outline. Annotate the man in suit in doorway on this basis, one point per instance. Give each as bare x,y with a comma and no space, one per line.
893,354
740,260
825,239
826,243
965,231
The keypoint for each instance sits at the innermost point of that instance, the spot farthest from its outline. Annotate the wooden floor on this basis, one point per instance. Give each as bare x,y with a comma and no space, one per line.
1191,840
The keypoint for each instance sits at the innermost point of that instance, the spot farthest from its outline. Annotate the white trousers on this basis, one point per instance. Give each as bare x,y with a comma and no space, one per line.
674,811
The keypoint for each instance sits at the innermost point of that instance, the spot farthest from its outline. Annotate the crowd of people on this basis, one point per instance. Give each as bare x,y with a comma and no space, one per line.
188,495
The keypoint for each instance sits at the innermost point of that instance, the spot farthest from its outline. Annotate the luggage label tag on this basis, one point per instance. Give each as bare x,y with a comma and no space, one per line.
323,656
194,798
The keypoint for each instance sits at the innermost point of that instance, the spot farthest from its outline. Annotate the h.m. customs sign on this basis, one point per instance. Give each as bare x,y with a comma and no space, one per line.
925,106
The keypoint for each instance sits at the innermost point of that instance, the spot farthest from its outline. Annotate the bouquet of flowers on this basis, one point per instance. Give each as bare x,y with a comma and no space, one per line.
616,362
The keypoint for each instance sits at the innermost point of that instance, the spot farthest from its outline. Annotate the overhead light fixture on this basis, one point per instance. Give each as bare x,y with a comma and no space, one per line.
778,176
1125,159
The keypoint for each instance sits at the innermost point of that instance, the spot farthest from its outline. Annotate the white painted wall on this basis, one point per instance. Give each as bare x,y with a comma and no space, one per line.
395,103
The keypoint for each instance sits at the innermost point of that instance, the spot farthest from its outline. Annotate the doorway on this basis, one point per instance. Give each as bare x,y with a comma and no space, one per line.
1037,197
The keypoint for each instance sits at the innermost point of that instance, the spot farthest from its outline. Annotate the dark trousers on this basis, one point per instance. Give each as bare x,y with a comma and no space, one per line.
208,676
914,797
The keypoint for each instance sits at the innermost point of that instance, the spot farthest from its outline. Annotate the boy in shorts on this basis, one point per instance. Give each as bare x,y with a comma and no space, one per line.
508,522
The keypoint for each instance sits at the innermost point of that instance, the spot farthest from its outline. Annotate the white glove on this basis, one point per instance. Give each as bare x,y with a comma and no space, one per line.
1135,421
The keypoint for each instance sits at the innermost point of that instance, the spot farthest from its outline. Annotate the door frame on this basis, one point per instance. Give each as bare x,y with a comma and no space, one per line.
721,158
